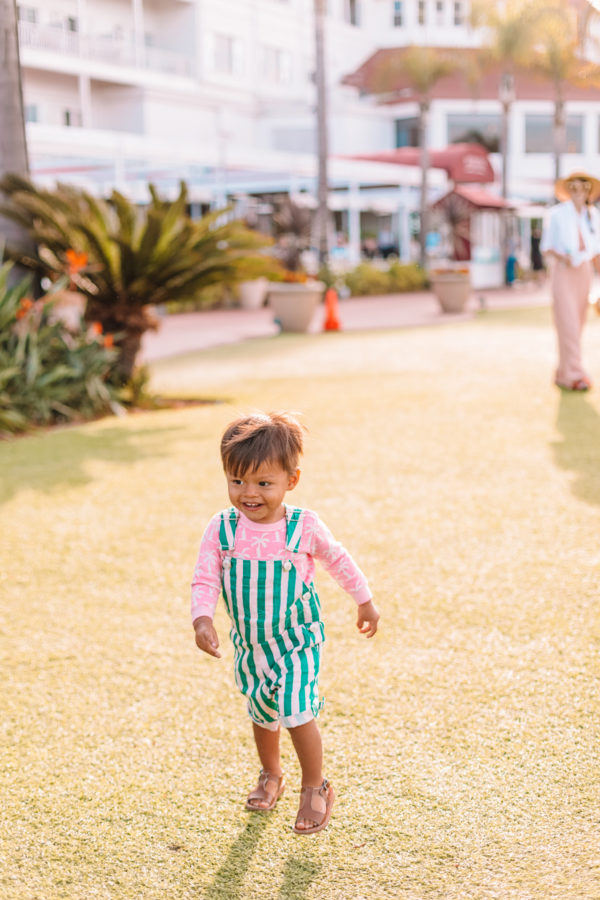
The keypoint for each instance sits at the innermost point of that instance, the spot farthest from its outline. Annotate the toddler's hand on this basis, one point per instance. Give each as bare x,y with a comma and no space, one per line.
206,636
367,619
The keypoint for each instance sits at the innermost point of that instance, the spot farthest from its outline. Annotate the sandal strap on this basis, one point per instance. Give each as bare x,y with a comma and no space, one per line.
260,792
306,809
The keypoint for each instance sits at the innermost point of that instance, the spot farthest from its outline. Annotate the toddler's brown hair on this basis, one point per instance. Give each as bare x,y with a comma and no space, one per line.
249,441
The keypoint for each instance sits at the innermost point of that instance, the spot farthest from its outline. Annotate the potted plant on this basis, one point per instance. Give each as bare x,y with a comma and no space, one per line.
293,297
451,281
452,287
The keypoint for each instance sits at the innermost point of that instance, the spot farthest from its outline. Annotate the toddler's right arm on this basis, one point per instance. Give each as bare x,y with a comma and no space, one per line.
206,586
207,638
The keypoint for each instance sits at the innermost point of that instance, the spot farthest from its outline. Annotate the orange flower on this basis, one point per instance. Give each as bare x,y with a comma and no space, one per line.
109,341
96,328
295,277
76,261
26,303
20,313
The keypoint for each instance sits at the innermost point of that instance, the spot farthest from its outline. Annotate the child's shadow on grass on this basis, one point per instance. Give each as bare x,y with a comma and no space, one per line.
300,872
228,883
57,459
579,451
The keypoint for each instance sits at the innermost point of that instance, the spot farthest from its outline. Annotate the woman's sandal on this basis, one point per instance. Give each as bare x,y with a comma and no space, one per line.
262,793
310,812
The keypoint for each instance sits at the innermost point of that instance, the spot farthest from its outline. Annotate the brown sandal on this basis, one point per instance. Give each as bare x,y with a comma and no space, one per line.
308,811
261,792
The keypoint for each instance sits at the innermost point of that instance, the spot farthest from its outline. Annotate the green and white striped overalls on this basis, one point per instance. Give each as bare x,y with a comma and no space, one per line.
276,629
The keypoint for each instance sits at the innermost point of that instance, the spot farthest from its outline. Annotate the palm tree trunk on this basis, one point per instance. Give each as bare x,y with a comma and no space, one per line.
560,131
322,142
13,144
424,159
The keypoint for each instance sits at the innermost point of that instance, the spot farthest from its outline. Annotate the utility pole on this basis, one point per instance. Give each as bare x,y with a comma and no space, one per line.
322,218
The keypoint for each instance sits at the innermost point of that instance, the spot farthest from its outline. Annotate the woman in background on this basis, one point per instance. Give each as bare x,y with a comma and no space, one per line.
571,241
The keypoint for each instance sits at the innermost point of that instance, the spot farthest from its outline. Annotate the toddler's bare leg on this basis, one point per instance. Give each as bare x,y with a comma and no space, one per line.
309,749
267,746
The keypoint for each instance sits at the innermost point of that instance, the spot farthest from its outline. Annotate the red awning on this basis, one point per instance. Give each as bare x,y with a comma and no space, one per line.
462,162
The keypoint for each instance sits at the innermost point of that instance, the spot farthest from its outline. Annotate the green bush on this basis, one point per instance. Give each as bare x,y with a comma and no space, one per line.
368,279
406,277
48,374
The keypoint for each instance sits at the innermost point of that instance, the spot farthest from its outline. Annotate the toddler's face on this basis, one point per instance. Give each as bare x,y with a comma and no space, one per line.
260,494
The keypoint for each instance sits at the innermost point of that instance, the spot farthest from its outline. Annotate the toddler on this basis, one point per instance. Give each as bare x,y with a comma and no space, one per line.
260,555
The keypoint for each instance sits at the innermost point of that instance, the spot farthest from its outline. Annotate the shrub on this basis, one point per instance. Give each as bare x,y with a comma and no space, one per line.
406,277
48,374
366,279
126,259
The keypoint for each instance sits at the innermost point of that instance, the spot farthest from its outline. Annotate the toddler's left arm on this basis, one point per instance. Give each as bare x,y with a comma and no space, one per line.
367,619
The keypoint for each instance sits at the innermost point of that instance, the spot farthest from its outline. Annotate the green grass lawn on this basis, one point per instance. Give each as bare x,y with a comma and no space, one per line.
462,740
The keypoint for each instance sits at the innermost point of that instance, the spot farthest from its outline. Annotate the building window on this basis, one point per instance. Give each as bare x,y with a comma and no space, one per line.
407,132
31,112
421,12
459,15
439,12
71,118
351,12
27,14
398,16
72,24
539,134
276,65
475,128
228,54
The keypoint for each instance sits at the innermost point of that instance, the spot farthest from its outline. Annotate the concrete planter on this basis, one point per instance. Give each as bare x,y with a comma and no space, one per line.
452,290
253,293
294,305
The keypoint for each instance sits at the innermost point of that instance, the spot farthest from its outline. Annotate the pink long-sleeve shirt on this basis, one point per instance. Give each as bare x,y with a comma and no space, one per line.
267,542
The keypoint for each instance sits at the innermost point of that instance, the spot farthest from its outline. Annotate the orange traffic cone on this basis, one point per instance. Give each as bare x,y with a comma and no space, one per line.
332,322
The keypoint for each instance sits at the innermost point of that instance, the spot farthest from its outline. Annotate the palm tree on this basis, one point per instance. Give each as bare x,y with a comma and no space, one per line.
124,259
560,49
416,70
322,142
13,144
511,30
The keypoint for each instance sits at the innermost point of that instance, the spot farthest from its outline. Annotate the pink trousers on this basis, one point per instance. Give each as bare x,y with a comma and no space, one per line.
570,293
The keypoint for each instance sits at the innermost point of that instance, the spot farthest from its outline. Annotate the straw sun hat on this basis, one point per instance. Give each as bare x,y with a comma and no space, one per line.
561,189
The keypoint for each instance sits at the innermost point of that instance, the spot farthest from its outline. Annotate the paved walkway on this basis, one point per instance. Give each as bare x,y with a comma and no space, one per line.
187,332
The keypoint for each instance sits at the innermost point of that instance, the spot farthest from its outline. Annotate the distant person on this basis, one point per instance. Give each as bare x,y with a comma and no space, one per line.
571,241
387,246
340,250
511,263
537,260
260,555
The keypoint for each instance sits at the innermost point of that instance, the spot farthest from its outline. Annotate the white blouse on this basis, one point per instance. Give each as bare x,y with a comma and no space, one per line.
561,232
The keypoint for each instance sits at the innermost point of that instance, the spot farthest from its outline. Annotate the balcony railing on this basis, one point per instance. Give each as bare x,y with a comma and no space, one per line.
103,48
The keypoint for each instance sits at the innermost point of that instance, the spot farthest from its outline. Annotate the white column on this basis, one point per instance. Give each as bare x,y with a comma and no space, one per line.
403,226
139,42
82,21
85,101
354,222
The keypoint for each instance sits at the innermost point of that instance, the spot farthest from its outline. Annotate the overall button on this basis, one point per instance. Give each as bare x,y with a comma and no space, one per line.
306,595
286,565
227,563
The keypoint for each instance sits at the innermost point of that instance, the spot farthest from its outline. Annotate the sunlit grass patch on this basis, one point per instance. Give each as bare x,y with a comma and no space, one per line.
462,740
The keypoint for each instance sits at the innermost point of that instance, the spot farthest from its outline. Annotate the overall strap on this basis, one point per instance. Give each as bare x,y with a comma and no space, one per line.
227,528
293,515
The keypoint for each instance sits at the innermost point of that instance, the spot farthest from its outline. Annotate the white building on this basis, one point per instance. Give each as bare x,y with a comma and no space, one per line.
221,93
